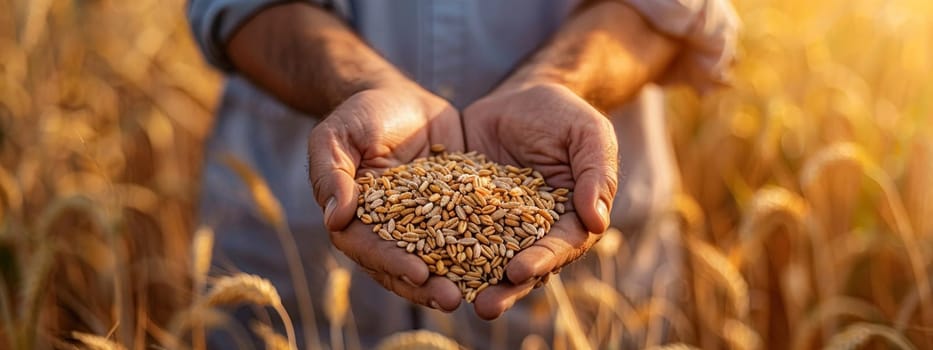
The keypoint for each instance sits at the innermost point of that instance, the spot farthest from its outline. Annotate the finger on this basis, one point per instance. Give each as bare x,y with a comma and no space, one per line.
366,248
437,292
447,129
594,161
495,300
331,170
566,242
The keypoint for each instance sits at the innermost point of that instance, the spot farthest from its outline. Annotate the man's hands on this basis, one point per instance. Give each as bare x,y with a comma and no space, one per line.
373,130
544,126
377,119
549,128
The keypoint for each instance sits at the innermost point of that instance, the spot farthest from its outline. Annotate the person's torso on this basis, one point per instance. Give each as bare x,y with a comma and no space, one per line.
457,49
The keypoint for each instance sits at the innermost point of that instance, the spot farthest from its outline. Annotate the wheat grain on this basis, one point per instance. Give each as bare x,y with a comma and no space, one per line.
464,216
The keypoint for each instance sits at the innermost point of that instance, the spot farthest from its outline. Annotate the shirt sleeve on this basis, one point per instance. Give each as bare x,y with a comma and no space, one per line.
213,22
708,30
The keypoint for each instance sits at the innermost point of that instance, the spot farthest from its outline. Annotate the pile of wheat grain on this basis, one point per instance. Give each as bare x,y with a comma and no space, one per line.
463,215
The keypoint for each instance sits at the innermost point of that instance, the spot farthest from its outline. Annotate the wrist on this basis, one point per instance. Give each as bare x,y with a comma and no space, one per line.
533,75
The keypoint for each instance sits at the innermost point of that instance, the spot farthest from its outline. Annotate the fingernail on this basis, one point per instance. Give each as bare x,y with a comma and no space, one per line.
434,305
603,210
329,210
407,280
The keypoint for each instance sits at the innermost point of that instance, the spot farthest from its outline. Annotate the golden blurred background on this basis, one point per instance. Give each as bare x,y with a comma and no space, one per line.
807,205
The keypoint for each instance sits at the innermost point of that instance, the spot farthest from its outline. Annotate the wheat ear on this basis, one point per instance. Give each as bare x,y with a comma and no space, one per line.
726,273
857,334
853,153
419,339
271,209
246,288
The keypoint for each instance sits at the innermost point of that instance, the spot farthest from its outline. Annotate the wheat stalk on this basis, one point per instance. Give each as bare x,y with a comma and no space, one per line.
273,340
246,288
201,248
95,214
31,293
606,300
95,342
337,303
725,272
533,342
6,314
555,289
767,205
199,315
12,195
852,153
857,334
741,336
667,310
271,209
419,339
674,346
689,210
607,249
832,308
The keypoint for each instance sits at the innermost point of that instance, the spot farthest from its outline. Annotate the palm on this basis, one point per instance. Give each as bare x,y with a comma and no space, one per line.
392,131
568,142
370,132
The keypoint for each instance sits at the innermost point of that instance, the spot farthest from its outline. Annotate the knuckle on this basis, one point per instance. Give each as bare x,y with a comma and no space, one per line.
612,182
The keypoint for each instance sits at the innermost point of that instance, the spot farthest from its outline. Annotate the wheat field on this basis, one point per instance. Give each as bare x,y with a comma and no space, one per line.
806,209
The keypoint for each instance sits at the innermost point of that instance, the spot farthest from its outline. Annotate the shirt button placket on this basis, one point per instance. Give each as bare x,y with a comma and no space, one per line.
447,50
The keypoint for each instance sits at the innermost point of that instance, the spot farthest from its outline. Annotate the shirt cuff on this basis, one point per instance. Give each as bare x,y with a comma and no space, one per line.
213,22
709,32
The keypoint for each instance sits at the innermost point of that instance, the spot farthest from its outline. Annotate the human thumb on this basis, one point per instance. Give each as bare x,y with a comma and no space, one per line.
595,167
331,170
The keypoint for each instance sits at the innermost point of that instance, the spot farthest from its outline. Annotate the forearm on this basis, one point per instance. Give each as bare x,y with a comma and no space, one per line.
307,58
604,53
